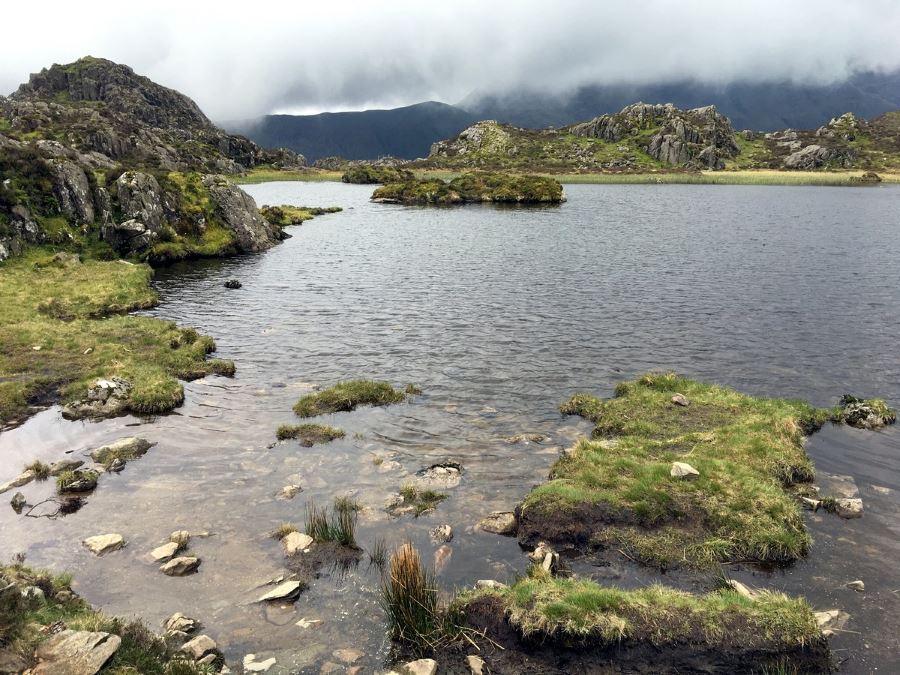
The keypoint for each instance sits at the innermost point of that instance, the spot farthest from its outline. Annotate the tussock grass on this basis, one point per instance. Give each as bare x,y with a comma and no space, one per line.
545,607
151,354
420,500
338,526
345,396
309,434
749,452
409,598
41,469
378,553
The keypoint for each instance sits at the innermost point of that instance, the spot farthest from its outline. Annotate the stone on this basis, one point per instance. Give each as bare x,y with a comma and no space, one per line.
540,552
420,667
830,621
849,508
441,533
104,398
164,552
75,652
22,479
83,480
857,585
810,503
181,623
198,647
475,664
741,589
17,502
296,542
684,471
308,623
233,284
681,399
251,665
65,465
446,475
525,438
489,583
290,491
181,537
125,448
116,465
181,566
500,522
550,563
282,591
348,656
104,543
34,593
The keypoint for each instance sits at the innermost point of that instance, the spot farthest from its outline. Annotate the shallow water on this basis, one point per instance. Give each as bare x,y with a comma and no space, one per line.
498,314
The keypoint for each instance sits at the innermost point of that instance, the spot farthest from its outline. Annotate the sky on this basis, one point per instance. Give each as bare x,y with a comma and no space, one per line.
242,60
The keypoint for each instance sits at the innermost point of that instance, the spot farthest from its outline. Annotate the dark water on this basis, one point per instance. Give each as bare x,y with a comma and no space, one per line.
498,314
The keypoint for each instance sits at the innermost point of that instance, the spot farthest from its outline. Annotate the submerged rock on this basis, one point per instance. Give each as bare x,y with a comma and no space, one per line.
282,591
104,543
445,475
125,449
75,652
499,522
831,621
290,491
251,665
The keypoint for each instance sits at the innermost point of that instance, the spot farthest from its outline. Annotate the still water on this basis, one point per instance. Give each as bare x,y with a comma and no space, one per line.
498,314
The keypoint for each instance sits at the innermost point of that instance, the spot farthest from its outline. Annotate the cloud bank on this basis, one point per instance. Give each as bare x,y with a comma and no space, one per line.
240,60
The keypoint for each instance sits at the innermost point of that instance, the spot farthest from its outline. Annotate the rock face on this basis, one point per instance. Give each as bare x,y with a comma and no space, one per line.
816,156
238,212
72,652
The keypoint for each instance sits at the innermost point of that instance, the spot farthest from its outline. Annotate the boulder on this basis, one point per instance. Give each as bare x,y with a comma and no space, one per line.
180,566
104,543
849,508
130,237
105,398
444,475
816,156
125,448
238,213
442,557
741,589
199,647
499,522
17,502
141,200
181,623
296,542
441,533
164,552
684,471
75,652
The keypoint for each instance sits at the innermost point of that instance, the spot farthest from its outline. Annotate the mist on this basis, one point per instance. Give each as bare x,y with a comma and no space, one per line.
241,60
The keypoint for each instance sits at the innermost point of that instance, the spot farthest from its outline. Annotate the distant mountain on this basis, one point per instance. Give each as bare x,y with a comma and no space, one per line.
757,106
402,132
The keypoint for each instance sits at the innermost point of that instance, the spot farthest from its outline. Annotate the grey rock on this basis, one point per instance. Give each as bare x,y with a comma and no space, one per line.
65,465
17,502
141,199
22,479
72,191
857,585
72,652
180,566
238,212
681,399
442,533
296,542
104,543
684,471
282,591
849,508
130,237
500,522
180,622
164,552
105,398
198,647
126,448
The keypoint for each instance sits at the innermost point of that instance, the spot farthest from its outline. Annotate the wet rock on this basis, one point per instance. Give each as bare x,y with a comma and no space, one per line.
810,503
128,448
499,522
475,664
681,399
857,585
22,479
104,543
442,557
348,656
296,542
72,652
445,475
866,413
831,621
208,660
441,533
233,284
181,566
181,623
17,502
164,552
290,491
684,471
200,646
282,591
419,667
525,438
848,508
251,665
489,583
65,465
82,480
308,623
105,398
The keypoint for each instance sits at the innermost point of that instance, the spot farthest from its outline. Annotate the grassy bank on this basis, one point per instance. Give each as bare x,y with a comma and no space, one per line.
618,490
23,623
64,324
266,175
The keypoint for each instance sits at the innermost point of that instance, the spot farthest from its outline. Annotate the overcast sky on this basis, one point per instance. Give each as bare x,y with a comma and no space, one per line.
239,60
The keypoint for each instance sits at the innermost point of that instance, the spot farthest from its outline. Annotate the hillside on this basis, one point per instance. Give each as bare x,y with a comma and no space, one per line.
402,132
654,137
90,150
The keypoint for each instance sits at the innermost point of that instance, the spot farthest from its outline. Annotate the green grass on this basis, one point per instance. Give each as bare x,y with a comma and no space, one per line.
285,215
66,479
339,526
309,434
21,620
366,175
420,500
474,187
409,598
41,469
345,396
749,452
57,304
568,610
268,174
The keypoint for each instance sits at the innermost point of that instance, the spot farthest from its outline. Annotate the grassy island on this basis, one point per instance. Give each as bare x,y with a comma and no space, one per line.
474,187
345,396
367,174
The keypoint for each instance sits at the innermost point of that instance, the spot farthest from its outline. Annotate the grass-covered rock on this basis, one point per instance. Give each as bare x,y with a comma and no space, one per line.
54,345
285,215
474,187
622,490
367,174
345,396
309,434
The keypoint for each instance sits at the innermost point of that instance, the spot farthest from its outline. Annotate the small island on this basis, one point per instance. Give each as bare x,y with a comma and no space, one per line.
473,187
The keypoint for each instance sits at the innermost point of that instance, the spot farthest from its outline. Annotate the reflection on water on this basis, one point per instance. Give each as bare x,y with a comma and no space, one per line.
498,314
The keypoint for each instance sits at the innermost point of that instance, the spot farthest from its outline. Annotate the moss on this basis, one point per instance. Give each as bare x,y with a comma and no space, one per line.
309,434
474,187
345,396
56,305
366,174
23,625
748,451
542,608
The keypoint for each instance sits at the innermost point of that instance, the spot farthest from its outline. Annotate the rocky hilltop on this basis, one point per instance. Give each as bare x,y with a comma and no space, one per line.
662,137
91,149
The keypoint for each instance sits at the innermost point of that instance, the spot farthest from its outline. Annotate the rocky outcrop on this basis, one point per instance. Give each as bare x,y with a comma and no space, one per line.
73,191
238,212
75,652
815,156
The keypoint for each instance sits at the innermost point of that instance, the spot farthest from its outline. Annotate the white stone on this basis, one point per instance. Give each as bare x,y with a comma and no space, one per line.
420,667
281,591
104,543
475,664
295,542
684,471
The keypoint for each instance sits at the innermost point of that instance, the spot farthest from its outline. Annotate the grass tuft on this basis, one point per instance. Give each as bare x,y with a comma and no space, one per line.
345,396
410,599
338,526
309,434
420,500
284,530
41,469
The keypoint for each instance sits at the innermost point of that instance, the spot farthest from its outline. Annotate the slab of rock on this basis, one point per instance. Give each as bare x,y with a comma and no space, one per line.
22,479
296,542
475,664
849,508
831,620
75,652
181,623
125,448
251,665
681,399
441,533
684,471
104,543
65,465
200,646
181,566
857,585
164,552
282,591
500,522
